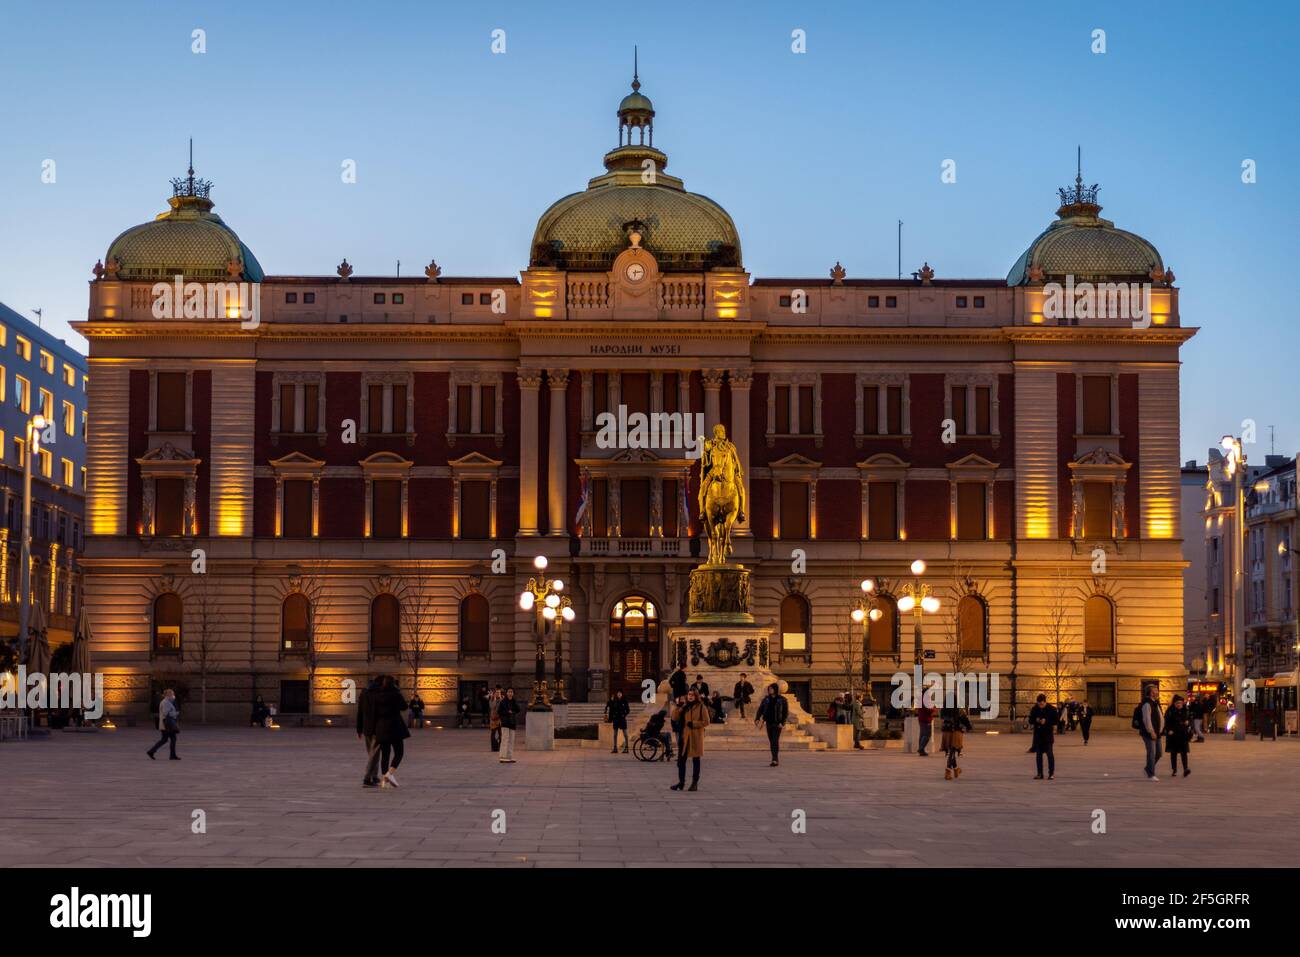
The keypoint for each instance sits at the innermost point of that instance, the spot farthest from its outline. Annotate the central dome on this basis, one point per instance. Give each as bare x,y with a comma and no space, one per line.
685,232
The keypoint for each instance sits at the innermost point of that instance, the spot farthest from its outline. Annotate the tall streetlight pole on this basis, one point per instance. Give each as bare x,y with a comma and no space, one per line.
918,600
558,609
33,445
864,612
542,596
1235,464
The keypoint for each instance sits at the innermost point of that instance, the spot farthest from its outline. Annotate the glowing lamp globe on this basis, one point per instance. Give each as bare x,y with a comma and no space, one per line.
906,603
548,613
540,563
868,585
558,585
877,614
857,615
918,567
552,601
569,613
930,603
526,601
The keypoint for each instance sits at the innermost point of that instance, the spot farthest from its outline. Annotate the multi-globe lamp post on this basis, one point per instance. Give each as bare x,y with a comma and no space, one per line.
545,598
865,611
917,599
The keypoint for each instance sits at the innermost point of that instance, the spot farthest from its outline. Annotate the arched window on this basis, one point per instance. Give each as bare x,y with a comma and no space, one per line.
882,634
796,619
473,625
385,625
295,627
1098,626
972,625
633,643
168,612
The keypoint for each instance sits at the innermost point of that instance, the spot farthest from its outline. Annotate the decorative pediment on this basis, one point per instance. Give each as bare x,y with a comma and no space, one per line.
474,460
298,464
882,461
1100,457
973,461
794,461
167,453
385,464
635,455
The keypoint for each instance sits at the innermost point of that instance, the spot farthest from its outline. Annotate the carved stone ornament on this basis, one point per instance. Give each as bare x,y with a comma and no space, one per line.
433,270
98,269
344,270
925,274
838,273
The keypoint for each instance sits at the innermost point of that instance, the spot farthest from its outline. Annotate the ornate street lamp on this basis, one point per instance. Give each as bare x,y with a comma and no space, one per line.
542,596
865,611
918,600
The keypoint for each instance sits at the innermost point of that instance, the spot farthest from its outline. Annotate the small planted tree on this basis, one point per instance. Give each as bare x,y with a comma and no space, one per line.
419,615
1060,643
313,588
206,637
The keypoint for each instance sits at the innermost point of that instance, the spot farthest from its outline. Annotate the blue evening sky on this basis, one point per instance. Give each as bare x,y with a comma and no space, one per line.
816,156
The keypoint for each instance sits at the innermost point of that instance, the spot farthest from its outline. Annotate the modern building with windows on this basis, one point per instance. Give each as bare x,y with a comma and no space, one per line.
41,374
367,475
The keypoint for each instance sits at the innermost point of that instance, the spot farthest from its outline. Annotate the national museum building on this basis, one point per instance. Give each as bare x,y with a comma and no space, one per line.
365,474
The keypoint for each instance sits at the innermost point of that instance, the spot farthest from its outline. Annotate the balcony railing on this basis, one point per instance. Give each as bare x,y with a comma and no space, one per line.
635,547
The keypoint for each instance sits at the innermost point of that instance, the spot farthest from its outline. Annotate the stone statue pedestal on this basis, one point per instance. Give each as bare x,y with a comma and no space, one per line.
719,595
539,731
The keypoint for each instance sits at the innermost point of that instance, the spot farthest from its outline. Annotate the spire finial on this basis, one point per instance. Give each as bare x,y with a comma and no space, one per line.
1078,165
190,185
636,79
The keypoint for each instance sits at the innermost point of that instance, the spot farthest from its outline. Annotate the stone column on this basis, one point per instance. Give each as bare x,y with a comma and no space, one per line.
558,461
712,379
741,380
530,380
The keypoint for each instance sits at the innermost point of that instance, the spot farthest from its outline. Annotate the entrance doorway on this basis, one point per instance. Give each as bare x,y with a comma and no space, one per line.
633,645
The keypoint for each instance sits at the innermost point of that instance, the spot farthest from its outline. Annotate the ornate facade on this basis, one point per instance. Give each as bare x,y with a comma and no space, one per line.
365,475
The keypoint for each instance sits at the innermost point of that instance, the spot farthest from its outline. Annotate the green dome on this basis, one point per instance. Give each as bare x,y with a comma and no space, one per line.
636,102
189,239
1083,245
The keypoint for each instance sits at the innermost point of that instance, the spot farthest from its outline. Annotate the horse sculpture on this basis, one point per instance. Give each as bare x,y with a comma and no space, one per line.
722,494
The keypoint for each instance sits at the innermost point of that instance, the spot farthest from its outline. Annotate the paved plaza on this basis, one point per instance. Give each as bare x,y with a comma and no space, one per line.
293,797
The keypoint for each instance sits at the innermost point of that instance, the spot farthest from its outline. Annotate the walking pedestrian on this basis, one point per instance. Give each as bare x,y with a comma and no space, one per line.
506,710
677,682
390,730
773,711
1085,720
1197,711
494,719
694,718
260,713
1071,713
858,718
464,717
618,709
741,694
366,732
925,722
417,710
1149,724
955,724
1178,734
169,724
1043,719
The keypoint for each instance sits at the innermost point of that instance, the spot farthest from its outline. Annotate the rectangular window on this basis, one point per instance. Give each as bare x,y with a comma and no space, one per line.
375,421
979,302
870,410
972,517
308,298
882,511
69,418
784,302
1101,697
600,508
297,508
794,510
169,506
636,392
1097,510
782,400
23,393
961,302
894,410
398,298
83,478
806,409
1096,405
475,510
959,408
467,299
891,302
488,408
47,405
311,407
983,405
290,297
873,302
386,508
69,375
20,453
485,299
635,508
379,299
23,347
47,463
169,401
464,409
399,409
288,406
67,472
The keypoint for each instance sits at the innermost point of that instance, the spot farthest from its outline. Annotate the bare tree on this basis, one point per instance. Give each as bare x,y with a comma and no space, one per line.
1059,645
206,637
419,614
318,598
849,642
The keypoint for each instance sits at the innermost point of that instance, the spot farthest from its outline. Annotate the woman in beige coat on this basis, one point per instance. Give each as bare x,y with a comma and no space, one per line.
692,716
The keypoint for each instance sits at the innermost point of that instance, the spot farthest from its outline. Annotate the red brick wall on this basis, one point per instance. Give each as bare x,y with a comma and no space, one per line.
1065,444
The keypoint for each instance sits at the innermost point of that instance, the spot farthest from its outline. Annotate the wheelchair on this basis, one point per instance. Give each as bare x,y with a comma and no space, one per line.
648,747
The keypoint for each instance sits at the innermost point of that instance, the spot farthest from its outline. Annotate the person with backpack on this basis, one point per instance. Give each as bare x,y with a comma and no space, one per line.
1148,722
1042,720
773,711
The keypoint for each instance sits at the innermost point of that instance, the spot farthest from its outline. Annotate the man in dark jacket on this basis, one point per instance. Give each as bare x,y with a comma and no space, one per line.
506,711
1150,727
390,728
925,725
773,711
741,694
1085,720
366,732
618,709
1042,721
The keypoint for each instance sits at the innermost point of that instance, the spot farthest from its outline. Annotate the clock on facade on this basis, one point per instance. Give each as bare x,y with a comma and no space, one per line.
635,272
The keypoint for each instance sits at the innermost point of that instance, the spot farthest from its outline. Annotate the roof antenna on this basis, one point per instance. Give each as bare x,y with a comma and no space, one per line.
38,313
